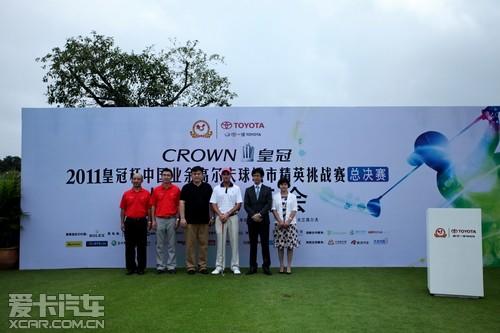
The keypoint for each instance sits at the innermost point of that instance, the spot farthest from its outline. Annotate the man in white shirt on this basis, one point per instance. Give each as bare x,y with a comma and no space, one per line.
226,202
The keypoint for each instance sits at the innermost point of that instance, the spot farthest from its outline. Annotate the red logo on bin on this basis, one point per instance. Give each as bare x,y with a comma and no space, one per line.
440,233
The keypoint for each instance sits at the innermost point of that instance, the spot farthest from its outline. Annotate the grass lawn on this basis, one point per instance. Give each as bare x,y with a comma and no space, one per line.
309,300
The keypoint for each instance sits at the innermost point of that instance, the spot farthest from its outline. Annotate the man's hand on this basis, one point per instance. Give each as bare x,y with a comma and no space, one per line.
183,223
257,217
122,226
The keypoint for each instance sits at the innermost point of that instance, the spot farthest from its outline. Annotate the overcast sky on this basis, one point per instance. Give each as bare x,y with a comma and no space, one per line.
278,53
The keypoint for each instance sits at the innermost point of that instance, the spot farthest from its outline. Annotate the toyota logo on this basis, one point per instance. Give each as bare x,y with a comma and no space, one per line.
226,125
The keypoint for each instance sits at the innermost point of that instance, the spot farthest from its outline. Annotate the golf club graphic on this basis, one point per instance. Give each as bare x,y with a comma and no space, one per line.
223,249
428,141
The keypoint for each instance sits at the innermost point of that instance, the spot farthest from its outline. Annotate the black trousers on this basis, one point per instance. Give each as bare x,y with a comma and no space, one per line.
256,230
136,233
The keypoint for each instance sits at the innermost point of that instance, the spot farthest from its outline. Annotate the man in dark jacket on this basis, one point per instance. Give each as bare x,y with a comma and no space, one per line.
258,202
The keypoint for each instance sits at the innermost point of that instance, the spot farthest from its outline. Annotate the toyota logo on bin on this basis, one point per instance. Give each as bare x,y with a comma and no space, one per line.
440,233
226,125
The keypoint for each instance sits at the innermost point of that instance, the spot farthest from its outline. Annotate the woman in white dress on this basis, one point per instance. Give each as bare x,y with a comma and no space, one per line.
285,227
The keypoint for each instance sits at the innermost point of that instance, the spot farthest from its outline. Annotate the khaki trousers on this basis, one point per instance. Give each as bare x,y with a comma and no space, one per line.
231,227
196,234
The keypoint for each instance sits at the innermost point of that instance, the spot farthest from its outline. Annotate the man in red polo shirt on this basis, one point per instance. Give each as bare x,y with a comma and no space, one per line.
134,223
165,211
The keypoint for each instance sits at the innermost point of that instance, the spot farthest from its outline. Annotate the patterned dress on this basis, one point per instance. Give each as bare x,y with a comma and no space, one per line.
285,237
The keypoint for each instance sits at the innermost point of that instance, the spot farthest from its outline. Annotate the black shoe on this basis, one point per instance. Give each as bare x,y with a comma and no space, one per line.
130,272
141,272
191,271
171,271
251,271
203,271
267,271
160,271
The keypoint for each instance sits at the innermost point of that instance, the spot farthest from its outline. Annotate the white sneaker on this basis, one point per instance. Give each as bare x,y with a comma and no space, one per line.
217,271
236,271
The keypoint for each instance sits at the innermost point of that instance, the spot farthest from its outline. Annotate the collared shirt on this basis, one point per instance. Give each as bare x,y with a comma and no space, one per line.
257,190
135,203
166,200
197,201
226,197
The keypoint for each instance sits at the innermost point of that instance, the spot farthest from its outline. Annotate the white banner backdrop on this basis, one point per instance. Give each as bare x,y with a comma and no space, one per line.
76,163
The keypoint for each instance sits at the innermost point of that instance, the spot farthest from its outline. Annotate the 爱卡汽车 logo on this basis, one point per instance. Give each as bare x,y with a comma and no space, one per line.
440,233
201,129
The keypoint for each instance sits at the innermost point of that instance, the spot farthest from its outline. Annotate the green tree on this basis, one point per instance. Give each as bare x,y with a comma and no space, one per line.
10,163
10,208
92,71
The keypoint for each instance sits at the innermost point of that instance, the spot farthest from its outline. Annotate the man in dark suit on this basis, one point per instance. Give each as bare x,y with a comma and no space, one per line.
258,202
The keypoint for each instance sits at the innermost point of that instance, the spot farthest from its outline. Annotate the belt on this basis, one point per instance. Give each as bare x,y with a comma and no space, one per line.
167,217
127,218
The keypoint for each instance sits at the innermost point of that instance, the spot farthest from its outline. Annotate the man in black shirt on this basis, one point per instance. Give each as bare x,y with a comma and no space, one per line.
196,216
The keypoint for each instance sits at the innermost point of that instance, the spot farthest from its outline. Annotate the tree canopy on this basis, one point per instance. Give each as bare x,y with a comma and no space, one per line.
10,163
93,71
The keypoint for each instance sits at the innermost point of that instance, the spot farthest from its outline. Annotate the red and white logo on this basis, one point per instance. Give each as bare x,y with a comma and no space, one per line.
440,233
201,129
